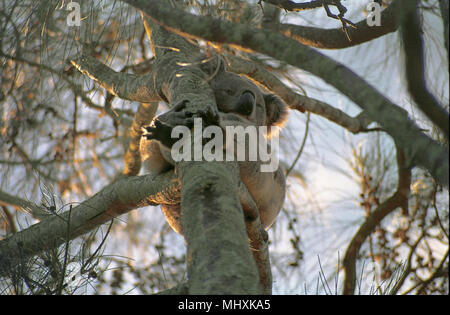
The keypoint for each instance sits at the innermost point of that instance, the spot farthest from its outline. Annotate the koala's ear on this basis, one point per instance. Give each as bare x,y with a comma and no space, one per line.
276,110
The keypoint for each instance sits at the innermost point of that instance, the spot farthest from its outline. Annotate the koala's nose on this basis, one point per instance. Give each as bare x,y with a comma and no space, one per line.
246,103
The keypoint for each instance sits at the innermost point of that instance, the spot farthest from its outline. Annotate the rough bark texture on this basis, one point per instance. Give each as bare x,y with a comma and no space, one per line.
219,259
126,86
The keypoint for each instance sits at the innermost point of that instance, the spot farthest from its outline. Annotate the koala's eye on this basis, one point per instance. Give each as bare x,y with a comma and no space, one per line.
229,91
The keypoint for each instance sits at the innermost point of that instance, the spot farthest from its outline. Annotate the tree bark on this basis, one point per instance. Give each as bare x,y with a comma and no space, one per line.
219,259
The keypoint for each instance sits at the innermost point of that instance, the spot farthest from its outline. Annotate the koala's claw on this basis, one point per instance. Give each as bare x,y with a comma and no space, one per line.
161,127
159,131
149,132
162,131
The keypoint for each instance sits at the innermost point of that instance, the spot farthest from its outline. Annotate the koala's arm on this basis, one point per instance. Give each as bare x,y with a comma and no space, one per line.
153,161
156,140
267,189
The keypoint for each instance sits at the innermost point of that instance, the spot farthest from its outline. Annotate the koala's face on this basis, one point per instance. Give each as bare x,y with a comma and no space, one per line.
237,94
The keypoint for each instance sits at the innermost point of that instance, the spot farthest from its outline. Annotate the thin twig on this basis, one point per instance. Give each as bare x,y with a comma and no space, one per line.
299,153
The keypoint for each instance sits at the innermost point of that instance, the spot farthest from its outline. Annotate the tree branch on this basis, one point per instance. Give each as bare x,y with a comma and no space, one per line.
415,67
211,209
210,205
398,199
7,199
115,199
292,6
296,7
336,39
139,88
420,149
294,100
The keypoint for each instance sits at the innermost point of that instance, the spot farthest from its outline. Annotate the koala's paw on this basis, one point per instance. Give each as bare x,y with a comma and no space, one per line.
209,116
159,131
177,116
180,115
161,127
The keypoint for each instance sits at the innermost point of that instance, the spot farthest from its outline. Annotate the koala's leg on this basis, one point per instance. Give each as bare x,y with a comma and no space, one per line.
173,217
266,188
155,162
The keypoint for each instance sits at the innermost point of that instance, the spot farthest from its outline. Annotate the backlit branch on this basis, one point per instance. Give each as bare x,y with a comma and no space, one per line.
336,39
139,88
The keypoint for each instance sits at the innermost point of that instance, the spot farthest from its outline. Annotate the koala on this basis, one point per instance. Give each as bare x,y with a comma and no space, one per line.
239,95
240,102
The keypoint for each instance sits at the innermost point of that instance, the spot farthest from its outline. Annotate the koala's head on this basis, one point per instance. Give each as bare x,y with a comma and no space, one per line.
240,95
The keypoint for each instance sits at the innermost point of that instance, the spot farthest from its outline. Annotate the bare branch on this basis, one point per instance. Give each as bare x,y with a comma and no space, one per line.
296,7
415,68
139,88
7,199
336,39
398,199
292,6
